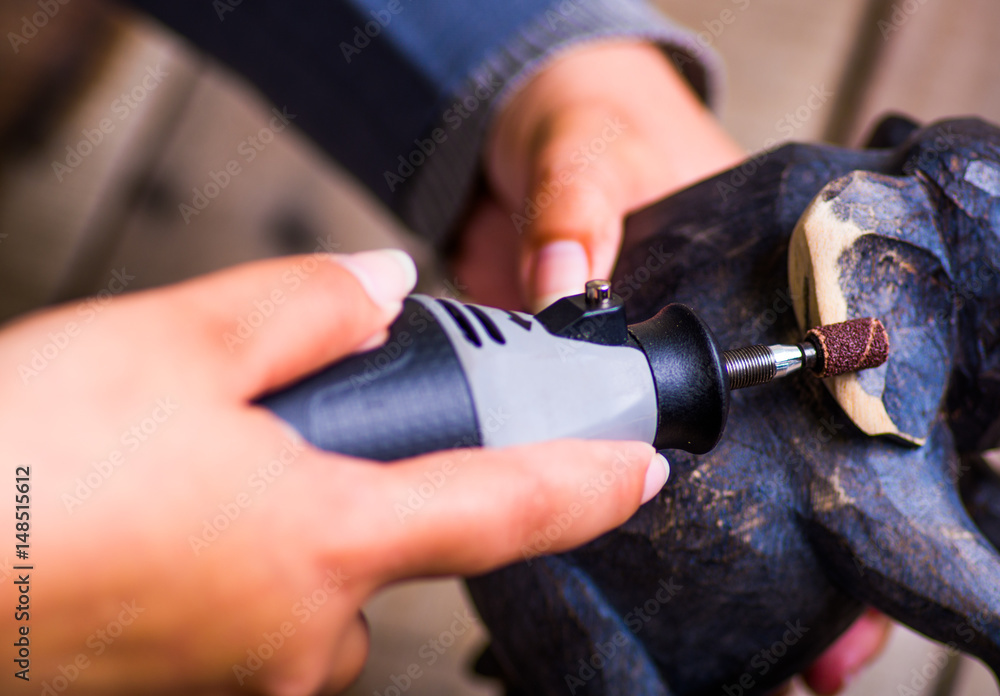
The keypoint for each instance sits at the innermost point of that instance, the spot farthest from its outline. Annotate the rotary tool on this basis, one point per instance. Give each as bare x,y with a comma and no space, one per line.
461,375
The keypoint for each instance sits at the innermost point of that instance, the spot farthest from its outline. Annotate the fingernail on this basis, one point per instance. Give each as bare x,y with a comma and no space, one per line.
374,342
558,269
387,275
656,477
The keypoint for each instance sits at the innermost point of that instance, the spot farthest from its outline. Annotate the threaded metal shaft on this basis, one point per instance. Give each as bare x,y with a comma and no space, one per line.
750,366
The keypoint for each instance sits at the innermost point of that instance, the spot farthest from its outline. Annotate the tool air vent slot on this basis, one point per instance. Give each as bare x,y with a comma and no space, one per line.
491,328
463,323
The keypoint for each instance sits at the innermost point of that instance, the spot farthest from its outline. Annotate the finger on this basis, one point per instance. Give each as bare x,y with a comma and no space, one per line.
468,511
572,219
859,645
315,659
268,323
487,260
574,151
349,655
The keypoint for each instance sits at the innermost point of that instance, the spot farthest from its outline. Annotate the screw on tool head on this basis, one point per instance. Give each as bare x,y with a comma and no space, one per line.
598,293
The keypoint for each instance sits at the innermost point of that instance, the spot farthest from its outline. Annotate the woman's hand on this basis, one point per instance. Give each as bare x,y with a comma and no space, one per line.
185,540
605,129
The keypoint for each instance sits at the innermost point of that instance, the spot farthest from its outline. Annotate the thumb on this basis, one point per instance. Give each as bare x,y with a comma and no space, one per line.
271,322
468,511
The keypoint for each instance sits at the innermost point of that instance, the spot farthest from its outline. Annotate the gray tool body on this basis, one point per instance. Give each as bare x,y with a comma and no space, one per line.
536,386
454,375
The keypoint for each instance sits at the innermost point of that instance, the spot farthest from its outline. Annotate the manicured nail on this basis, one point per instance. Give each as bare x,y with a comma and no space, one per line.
387,275
558,269
374,342
656,477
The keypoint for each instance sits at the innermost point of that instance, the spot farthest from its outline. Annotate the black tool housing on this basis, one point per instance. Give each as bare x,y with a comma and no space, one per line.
692,390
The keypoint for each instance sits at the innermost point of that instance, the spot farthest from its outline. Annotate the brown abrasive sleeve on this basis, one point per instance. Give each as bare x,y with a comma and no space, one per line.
852,345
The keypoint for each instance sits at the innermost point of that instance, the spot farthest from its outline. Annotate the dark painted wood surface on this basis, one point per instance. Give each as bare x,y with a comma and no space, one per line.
772,543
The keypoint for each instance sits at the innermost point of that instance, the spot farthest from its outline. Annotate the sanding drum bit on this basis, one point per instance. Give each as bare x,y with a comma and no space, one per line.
828,351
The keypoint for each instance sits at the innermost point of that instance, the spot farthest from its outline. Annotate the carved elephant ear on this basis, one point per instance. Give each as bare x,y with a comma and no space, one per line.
960,163
870,245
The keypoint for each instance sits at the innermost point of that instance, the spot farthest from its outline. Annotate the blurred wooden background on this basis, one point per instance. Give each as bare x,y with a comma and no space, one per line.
62,233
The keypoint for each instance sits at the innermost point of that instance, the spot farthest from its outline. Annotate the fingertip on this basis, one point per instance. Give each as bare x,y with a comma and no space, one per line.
555,270
486,511
387,275
657,474
856,648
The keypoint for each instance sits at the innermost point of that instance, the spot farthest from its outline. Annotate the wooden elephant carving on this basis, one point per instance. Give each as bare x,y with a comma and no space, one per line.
759,554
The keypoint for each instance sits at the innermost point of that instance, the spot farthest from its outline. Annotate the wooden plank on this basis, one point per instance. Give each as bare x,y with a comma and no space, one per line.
778,54
937,60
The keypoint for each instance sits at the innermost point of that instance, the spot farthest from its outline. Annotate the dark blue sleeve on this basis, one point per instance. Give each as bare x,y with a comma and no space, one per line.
401,92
